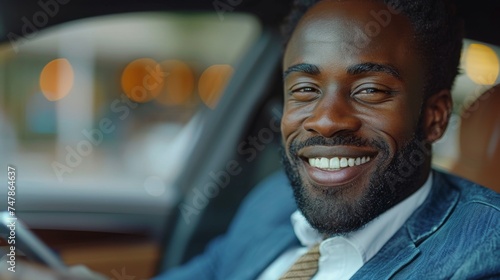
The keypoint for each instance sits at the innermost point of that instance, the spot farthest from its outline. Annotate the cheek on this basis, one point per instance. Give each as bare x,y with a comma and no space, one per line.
289,124
397,124
292,120
410,116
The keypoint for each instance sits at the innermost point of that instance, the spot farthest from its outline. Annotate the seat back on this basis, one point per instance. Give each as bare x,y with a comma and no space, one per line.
479,159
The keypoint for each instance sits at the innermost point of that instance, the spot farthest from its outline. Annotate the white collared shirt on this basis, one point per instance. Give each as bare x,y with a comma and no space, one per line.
342,256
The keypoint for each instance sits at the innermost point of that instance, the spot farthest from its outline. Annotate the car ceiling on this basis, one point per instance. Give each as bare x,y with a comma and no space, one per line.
482,17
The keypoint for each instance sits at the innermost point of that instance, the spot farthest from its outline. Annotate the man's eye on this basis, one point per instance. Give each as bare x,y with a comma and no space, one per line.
372,95
372,91
305,89
304,93
368,90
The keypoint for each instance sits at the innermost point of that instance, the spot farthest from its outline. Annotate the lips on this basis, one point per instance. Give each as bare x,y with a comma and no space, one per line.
332,166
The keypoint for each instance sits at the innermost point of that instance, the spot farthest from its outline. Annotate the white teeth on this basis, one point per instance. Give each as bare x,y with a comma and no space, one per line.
325,163
337,163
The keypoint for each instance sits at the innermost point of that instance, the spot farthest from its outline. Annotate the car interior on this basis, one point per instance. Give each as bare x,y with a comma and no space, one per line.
138,128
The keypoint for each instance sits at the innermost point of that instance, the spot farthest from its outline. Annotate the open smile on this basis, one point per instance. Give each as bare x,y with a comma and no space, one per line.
338,165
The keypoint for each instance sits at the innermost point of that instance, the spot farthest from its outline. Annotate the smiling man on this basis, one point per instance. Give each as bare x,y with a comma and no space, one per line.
354,116
367,91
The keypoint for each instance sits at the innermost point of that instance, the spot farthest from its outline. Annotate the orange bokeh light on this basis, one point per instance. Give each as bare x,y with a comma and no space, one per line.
57,79
142,80
482,65
212,83
179,83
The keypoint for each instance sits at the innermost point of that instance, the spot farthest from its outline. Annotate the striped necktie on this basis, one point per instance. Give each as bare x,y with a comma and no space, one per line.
305,267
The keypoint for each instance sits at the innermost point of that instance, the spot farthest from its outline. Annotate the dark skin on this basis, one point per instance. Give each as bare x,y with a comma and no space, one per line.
335,89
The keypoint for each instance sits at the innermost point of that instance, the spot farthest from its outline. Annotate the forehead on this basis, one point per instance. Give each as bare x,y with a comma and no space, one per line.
352,31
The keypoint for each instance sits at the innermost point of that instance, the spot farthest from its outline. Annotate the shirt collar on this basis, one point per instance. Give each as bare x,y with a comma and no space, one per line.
369,239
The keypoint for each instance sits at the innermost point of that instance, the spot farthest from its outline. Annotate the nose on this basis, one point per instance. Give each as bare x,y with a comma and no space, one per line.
331,116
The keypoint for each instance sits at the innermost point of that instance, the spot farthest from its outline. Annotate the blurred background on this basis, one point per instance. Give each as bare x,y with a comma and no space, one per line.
101,108
98,117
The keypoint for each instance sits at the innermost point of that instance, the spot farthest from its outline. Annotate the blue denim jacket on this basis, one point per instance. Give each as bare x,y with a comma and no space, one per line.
454,234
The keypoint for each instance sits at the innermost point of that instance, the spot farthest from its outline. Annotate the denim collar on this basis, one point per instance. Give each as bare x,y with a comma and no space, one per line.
434,211
402,248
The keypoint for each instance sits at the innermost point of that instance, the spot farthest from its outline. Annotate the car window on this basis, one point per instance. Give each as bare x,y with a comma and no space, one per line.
110,104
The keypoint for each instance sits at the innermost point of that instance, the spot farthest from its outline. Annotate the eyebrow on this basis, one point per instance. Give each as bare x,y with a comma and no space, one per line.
374,67
357,69
305,68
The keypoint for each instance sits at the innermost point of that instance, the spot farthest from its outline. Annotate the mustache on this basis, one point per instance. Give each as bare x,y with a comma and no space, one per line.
340,140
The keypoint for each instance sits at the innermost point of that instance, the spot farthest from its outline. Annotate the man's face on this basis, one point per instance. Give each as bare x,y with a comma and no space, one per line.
353,113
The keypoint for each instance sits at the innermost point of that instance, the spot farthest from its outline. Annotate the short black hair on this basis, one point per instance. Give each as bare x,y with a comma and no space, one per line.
438,36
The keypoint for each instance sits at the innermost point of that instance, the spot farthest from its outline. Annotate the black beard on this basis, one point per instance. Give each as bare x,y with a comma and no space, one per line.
332,213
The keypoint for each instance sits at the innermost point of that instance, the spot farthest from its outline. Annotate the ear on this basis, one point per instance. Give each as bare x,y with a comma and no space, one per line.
437,110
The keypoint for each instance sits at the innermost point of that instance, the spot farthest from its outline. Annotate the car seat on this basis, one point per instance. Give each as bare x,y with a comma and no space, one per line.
479,139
